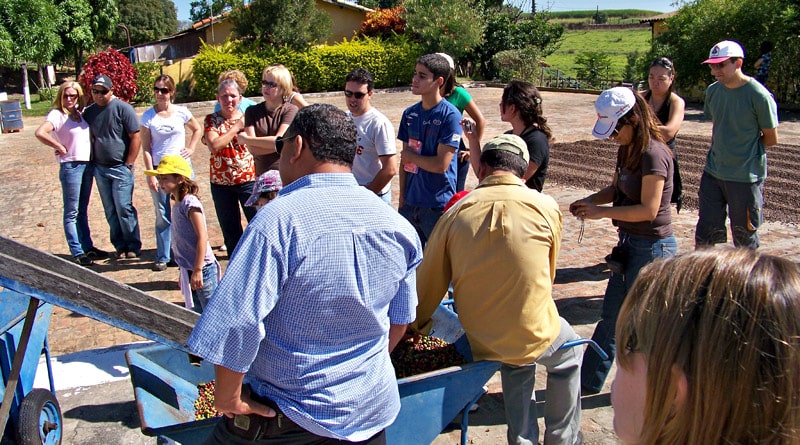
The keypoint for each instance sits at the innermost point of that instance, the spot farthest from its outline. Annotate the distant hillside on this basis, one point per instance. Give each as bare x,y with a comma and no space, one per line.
621,13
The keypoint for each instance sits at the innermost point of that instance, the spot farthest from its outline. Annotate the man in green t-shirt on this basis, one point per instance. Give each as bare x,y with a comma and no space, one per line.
745,121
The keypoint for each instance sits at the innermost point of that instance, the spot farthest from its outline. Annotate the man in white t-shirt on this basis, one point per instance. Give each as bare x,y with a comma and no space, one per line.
376,159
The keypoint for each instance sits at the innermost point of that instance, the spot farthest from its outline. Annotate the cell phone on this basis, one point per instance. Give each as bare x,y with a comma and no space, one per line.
469,127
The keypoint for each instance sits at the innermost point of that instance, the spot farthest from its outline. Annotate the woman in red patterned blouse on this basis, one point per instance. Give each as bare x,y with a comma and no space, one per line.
232,170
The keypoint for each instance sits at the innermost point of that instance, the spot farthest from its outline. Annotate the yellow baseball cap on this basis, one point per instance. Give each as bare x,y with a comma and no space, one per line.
172,164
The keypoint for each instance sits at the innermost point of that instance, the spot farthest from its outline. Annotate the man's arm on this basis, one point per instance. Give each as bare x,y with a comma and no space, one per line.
229,398
396,333
769,136
133,148
433,164
385,174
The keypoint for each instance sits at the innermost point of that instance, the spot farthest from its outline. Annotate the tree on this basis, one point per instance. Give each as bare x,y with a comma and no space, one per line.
454,27
295,24
592,67
698,26
200,9
29,32
508,29
87,23
147,20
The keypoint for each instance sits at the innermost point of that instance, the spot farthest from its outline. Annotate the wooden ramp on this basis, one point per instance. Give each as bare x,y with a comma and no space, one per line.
46,277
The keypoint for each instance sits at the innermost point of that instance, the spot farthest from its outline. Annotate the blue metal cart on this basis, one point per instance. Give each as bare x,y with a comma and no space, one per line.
34,412
165,388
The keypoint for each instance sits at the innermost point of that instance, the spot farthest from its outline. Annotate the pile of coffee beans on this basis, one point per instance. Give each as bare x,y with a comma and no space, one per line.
427,354
204,405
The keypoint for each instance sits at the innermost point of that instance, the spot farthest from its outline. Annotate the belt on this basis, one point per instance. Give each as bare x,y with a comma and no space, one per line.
256,427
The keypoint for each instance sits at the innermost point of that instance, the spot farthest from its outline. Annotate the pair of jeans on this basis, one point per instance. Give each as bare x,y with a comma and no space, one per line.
717,199
115,185
163,225
76,189
562,408
227,200
422,218
201,297
639,252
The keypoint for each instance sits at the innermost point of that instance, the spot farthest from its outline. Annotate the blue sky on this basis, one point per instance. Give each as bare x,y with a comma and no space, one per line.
553,5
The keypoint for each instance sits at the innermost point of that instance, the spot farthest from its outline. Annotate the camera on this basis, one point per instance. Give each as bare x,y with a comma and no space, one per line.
617,260
469,126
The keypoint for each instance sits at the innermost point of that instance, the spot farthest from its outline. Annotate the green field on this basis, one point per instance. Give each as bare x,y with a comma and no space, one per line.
617,43
615,16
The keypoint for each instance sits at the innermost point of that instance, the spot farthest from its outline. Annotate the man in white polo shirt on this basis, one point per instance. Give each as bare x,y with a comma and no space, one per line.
375,163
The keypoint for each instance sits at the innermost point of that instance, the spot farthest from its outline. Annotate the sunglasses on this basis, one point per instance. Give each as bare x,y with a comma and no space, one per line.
268,84
100,92
70,96
356,94
662,61
620,123
161,90
279,143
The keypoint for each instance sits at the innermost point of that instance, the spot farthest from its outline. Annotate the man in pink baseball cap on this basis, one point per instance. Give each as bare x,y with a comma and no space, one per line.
745,122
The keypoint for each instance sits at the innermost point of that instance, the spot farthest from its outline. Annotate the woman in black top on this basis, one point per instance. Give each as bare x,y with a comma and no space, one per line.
669,109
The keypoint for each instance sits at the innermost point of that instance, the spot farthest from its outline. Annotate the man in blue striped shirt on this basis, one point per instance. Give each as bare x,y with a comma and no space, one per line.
319,290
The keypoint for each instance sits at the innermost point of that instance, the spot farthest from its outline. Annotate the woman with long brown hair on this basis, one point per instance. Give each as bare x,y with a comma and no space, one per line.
640,192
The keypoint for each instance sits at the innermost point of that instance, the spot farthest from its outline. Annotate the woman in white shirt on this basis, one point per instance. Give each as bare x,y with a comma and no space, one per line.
65,130
163,132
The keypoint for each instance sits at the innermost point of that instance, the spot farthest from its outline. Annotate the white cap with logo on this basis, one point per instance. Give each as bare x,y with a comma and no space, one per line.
611,105
723,51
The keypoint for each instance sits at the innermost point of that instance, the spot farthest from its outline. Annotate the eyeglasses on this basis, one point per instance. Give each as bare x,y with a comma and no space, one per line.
100,92
268,84
161,90
70,96
279,142
356,94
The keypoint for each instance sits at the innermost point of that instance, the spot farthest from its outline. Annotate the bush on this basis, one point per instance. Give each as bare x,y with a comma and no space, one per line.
593,67
383,23
115,65
320,68
520,64
145,78
47,94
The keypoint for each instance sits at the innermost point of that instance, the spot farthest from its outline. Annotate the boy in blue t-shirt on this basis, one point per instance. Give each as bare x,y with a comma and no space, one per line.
431,132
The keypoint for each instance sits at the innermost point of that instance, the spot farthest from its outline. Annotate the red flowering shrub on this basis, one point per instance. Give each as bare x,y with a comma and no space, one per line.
381,23
115,65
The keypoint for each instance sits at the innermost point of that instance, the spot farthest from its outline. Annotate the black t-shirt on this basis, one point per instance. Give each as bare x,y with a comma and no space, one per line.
539,151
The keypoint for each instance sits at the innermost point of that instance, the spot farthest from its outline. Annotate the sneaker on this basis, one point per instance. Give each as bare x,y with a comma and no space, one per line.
172,263
97,254
223,248
159,266
84,260
131,255
120,254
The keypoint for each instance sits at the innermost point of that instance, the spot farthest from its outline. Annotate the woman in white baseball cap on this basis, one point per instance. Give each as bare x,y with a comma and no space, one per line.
640,193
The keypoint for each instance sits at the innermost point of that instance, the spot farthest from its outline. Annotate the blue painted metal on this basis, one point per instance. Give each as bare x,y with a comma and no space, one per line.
165,387
583,341
13,307
86,311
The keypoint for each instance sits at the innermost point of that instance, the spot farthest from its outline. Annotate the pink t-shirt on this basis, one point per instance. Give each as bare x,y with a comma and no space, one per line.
74,136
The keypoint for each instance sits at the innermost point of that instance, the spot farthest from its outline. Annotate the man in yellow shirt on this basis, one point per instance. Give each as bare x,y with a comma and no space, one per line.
499,246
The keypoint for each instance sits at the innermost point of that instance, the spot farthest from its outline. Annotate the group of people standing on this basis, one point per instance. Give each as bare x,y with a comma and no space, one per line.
333,278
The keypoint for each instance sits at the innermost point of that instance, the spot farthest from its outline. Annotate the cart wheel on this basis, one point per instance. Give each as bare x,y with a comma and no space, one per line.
40,419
